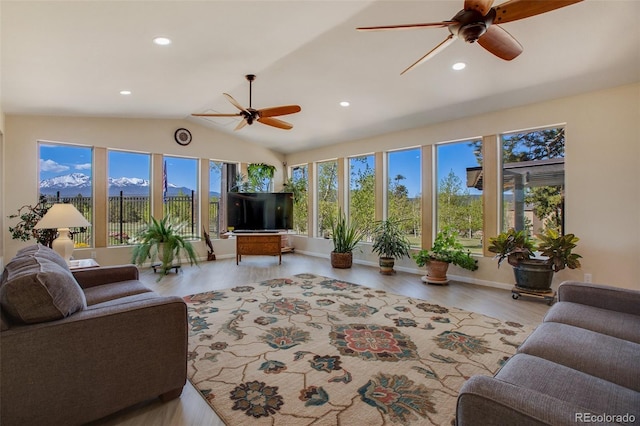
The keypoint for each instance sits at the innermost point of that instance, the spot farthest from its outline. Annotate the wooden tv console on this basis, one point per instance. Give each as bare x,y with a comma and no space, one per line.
267,244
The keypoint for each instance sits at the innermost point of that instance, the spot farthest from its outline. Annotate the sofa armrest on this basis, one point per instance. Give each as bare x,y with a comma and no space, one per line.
600,296
105,275
486,401
93,363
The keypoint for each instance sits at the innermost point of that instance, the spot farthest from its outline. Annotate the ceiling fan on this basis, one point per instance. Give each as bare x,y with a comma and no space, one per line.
262,115
478,22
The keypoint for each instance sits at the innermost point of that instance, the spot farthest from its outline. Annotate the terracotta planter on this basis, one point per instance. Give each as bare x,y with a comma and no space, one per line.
436,272
341,260
386,265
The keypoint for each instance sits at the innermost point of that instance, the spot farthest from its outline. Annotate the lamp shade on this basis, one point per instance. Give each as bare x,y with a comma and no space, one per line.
62,216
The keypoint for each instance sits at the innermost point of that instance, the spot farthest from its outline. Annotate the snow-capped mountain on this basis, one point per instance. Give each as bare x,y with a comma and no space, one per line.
75,184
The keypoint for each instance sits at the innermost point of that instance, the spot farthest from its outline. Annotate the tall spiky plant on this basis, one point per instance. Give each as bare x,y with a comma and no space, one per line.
345,235
163,240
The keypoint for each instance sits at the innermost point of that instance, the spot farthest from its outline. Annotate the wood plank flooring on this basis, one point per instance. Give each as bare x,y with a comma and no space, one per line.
191,410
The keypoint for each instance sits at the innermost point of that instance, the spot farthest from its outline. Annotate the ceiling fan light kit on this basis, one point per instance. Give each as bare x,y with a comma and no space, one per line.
263,115
478,21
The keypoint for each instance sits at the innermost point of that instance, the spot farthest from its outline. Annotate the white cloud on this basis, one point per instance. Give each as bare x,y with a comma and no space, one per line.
52,166
85,166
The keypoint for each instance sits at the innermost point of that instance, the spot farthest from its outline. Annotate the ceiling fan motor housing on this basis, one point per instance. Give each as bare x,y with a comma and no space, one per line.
471,24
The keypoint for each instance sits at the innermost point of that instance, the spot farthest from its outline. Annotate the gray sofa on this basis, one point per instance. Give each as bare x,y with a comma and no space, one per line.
581,365
75,347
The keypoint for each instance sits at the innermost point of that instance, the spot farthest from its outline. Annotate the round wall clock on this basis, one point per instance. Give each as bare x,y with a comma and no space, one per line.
182,136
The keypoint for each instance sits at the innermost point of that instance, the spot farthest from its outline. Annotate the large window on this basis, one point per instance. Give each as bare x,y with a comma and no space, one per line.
299,186
533,180
404,191
65,177
459,191
129,195
180,185
362,195
327,195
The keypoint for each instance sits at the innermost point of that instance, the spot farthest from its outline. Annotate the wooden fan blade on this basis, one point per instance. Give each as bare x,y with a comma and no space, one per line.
499,42
279,110
241,124
234,102
439,48
482,6
408,26
216,115
519,9
275,123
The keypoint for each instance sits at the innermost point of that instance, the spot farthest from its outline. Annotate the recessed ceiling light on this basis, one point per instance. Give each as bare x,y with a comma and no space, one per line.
162,41
344,104
125,92
459,66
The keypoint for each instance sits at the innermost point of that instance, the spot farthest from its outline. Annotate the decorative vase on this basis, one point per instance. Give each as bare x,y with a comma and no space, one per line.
386,265
341,260
436,272
533,275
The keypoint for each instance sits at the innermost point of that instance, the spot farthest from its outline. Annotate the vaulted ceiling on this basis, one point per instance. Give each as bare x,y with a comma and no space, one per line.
74,57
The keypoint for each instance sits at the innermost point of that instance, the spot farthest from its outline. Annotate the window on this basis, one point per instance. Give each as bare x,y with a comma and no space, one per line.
299,186
65,177
404,191
180,185
533,180
327,195
129,195
362,196
459,191
215,194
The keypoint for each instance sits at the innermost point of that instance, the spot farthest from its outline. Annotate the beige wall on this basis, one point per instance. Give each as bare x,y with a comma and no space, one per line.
603,189
144,135
602,160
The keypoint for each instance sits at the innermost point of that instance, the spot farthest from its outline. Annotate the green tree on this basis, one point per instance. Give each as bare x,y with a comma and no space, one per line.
457,208
362,194
327,195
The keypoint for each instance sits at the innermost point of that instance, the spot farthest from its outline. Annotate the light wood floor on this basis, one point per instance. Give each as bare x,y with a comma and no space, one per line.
190,409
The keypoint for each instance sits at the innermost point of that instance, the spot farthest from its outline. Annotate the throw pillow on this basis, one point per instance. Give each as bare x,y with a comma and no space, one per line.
36,289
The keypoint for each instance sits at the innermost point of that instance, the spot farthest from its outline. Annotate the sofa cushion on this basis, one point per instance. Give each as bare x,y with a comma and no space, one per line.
35,288
105,292
617,324
596,354
574,387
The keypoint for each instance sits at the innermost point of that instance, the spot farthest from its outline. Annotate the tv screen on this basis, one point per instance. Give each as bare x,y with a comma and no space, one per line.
258,211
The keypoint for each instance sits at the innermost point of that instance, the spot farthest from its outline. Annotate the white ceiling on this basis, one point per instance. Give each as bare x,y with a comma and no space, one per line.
73,58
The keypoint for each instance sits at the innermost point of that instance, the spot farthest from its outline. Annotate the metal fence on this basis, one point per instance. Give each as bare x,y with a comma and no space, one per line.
127,215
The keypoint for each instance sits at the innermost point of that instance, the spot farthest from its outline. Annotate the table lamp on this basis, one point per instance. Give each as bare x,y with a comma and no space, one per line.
62,217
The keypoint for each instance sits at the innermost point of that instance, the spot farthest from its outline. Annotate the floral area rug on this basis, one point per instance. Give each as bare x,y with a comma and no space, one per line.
315,350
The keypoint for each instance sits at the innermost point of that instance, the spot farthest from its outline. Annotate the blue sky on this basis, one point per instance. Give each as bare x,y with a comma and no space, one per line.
61,160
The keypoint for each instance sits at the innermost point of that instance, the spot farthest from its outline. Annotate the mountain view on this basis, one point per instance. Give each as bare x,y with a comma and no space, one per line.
74,184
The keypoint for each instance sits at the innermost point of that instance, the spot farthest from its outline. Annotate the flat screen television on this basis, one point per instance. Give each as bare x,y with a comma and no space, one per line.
260,211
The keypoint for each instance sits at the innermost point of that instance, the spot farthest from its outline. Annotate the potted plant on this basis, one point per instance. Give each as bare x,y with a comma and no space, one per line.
345,236
389,243
535,275
163,240
446,249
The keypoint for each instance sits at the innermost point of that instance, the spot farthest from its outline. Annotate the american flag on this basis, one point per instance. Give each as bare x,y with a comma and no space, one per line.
164,182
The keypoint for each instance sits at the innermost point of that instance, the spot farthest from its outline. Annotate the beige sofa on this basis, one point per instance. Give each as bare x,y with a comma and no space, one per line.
75,347
581,365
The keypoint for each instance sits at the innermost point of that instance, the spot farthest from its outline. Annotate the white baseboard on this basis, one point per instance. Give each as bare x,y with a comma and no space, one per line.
420,272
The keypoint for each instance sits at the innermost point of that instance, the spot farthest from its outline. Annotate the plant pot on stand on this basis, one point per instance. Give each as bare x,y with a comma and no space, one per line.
436,272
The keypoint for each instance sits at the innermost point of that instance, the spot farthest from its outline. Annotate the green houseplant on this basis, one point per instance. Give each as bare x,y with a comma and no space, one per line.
345,236
163,240
389,243
535,274
446,249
